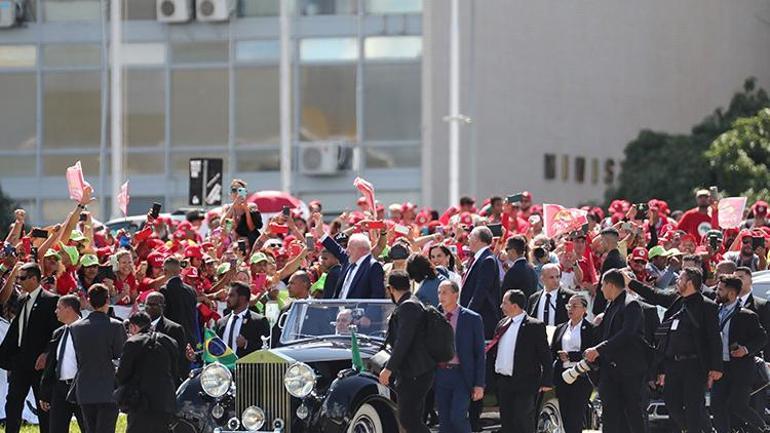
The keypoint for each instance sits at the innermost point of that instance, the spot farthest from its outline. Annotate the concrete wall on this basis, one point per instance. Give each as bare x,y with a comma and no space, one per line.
578,78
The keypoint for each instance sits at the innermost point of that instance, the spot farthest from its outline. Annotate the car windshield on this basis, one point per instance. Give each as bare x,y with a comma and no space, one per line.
318,319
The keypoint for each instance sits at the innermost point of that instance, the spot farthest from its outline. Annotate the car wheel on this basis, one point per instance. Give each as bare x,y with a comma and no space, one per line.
549,419
366,420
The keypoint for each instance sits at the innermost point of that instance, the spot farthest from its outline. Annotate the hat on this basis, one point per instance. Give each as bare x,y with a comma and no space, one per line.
71,252
466,219
194,215
702,192
258,258
361,201
184,225
657,251
687,238
673,252
193,251
341,238
609,231
223,268
526,195
52,253
760,207
77,236
190,272
407,206
639,253
180,234
89,260
155,259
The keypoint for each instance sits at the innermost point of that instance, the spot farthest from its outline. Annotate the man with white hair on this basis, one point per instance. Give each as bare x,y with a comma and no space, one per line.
550,303
362,276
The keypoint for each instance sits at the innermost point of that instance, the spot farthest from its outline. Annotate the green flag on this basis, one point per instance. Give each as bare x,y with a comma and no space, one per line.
358,363
319,285
215,350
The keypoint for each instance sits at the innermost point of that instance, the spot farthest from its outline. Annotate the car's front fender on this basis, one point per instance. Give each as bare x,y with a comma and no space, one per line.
194,408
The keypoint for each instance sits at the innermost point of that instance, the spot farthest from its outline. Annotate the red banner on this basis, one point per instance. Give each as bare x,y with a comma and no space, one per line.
559,220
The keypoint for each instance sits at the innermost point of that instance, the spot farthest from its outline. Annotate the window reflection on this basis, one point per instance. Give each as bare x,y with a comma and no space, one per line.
13,166
200,52
72,109
257,107
393,6
392,109
393,157
145,110
328,102
71,10
328,49
252,161
62,55
259,8
199,107
393,47
18,56
328,7
17,112
56,165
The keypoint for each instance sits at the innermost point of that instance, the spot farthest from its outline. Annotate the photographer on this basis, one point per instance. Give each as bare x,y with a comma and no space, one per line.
569,342
752,253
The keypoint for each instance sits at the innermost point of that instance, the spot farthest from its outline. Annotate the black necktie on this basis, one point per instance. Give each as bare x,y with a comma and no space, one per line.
230,340
547,309
24,316
62,349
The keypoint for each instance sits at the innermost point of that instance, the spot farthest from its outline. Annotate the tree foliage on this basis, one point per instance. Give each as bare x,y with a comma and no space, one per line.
671,167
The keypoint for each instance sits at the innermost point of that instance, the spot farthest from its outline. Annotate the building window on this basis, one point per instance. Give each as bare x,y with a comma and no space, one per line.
580,169
255,51
145,115
393,157
17,113
564,168
257,106
259,8
550,166
328,49
393,47
78,55
18,56
609,172
72,109
68,10
594,170
139,10
392,109
393,6
144,54
328,102
200,52
199,107
328,7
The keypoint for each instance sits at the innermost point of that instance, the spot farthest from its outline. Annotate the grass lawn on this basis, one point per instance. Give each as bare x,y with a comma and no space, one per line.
121,427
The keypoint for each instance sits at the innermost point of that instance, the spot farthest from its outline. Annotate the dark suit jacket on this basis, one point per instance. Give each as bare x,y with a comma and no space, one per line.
98,341
622,337
253,328
469,346
762,308
176,332
481,291
40,326
588,339
613,260
409,356
369,282
562,299
330,285
521,276
181,307
49,378
745,330
152,368
532,362
708,343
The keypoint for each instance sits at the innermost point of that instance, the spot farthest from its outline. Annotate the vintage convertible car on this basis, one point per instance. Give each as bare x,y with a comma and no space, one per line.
306,384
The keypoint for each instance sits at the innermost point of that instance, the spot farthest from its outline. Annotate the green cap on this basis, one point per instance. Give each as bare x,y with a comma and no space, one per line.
72,253
223,268
77,236
52,253
657,251
674,252
258,257
88,260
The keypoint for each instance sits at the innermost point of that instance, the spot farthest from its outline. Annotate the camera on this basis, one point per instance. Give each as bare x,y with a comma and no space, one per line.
642,208
714,242
570,375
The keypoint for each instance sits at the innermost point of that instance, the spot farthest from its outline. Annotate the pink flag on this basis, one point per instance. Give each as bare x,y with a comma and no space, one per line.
123,199
731,212
367,189
75,181
559,219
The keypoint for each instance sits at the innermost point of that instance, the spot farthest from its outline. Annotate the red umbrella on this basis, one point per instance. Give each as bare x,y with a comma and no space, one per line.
274,201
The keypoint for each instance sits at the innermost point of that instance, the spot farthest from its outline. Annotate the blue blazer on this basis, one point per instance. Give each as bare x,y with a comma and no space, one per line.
481,291
369,282
469,347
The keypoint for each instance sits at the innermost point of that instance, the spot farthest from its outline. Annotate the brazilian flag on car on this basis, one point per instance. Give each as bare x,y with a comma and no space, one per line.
215,350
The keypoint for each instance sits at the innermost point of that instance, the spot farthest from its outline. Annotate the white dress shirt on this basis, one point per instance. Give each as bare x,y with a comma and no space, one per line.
155,322
352,276
506,347
552,311
476,259
570,341
26,311
69,367
236,332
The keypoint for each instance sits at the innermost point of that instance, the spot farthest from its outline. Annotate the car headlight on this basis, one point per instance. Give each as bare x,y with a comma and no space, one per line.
299,380
253,418
216,379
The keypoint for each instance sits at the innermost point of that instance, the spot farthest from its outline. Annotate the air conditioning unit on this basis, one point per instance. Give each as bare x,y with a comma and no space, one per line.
174,11
214,10
325,158
11,13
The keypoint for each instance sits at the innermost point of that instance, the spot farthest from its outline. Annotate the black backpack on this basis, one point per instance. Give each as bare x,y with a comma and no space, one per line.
439,335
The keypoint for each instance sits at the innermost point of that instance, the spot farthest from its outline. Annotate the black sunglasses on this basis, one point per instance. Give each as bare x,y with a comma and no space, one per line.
23,277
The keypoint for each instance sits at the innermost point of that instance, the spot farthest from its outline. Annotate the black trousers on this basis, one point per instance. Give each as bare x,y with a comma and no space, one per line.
517,406
621,396
100,417
62,411
573,401
19,383
148,422
731,395
411,393
684,392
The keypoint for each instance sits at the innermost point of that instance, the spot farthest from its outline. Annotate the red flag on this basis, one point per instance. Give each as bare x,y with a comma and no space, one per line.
367,189
558,219
731,212
123,199
75,181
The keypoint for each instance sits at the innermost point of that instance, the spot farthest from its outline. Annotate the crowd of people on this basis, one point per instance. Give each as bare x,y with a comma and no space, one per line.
491,269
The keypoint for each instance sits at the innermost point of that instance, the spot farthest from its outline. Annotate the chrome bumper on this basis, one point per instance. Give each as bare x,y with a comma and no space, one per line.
219,430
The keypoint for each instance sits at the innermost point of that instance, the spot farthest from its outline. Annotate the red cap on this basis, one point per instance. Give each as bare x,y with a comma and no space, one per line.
315,203
422,219
639,253
526,195
466,219
361,201
760,207
184,225
212,214
687,238
155,259
190,272
179,234
408,206
536,208
379,206
193,251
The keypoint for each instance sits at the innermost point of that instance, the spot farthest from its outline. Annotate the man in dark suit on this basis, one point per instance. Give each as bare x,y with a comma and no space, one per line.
332,267
622,356
23,352
61,367
549,305
409,359
149,364
242,329
761,307
153,306
691,347
570,340
181,306
481,283
523,364
521,275
98,341
361,276
461,379
612,260
742,339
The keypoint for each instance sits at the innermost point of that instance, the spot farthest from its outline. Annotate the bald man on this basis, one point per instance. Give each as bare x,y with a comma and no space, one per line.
154,306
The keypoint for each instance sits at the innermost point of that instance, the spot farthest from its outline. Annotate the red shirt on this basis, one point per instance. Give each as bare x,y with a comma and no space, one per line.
67,282
121,285
695,223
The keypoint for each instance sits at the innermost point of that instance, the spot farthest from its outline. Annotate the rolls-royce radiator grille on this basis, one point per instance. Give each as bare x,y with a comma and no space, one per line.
262,385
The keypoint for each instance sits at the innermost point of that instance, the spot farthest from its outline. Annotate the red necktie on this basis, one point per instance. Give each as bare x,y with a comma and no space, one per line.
498,336
468,271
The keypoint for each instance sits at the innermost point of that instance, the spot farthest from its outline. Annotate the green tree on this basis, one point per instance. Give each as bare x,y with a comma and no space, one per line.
7,207
671,167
